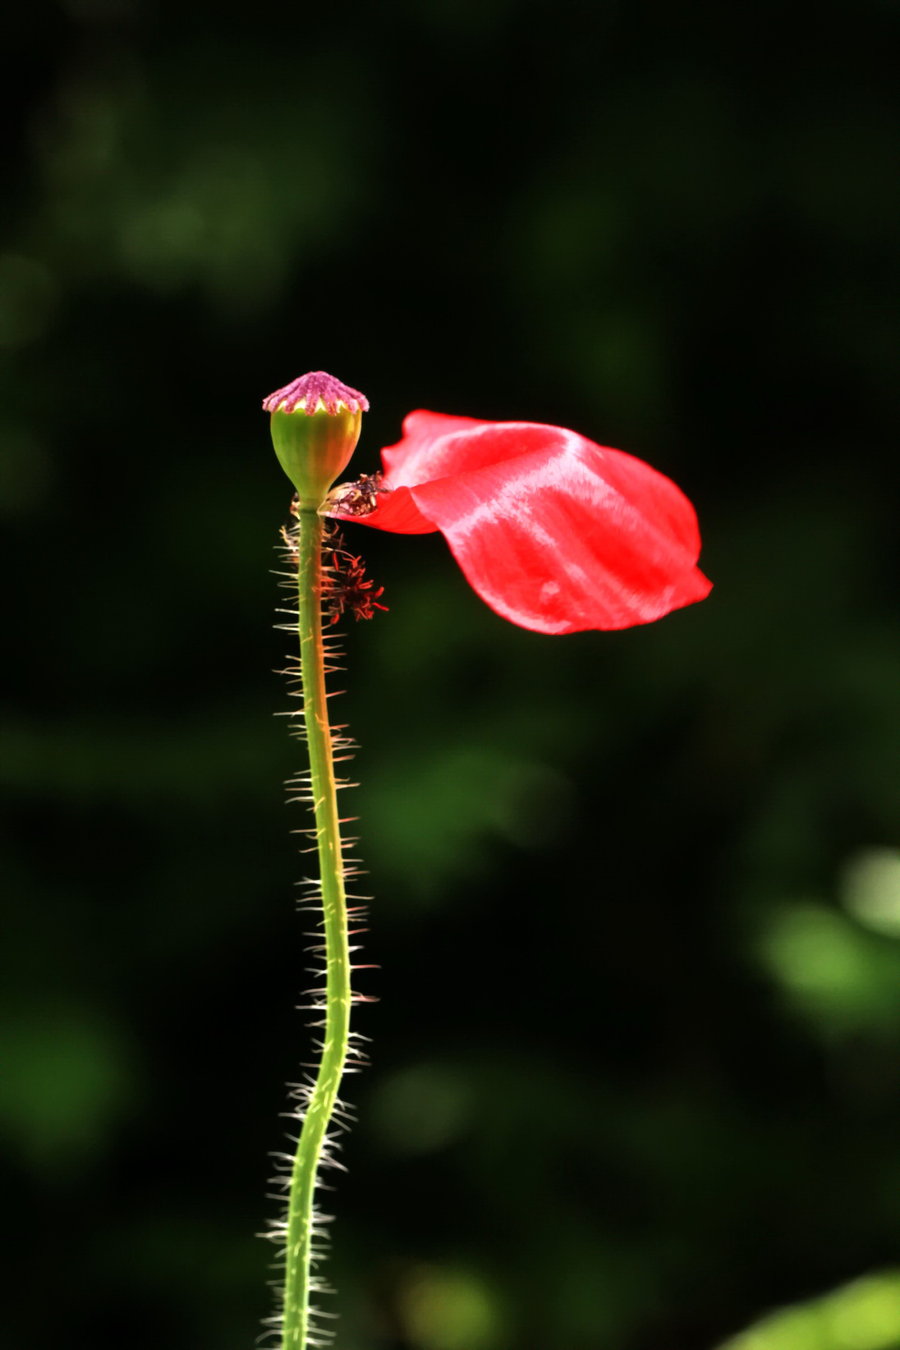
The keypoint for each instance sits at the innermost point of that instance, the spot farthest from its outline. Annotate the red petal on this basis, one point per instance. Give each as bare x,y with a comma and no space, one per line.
553,532
435,445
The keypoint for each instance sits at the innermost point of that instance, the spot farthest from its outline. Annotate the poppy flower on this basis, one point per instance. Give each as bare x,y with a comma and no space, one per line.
555,533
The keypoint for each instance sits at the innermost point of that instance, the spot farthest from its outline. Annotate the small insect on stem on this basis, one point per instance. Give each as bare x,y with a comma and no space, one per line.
359,498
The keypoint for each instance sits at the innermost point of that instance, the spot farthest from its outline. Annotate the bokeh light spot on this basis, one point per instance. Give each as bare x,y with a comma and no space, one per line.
421,1108
871,889
27,299
863,1315
451,1310
66,1079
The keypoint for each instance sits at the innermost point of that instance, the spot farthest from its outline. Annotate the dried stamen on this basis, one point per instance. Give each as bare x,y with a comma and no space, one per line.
345,587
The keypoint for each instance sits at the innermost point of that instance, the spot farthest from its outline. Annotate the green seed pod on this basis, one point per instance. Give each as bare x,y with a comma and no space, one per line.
316,422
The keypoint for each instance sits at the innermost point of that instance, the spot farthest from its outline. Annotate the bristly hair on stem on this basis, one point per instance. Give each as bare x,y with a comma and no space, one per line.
326,581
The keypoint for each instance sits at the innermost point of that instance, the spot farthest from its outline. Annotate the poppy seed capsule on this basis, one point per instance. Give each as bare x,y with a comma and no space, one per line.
316,422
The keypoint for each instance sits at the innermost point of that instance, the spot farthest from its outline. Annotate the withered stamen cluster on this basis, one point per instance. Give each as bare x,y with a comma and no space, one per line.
345,587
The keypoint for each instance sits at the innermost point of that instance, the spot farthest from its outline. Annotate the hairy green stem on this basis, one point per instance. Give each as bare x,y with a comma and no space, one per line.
322,1099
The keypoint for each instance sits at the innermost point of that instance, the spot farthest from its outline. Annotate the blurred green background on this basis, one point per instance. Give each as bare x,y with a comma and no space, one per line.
637,912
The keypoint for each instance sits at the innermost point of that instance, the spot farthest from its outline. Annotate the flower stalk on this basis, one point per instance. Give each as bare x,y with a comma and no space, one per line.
321,1100
557,534
315,424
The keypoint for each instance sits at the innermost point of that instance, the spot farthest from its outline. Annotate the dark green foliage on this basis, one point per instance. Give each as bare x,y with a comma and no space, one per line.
670,229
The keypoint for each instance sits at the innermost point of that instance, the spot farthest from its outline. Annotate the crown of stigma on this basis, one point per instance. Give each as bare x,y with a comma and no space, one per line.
316,392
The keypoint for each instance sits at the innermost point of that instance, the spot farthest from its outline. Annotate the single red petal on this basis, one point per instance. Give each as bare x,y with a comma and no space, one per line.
555,533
